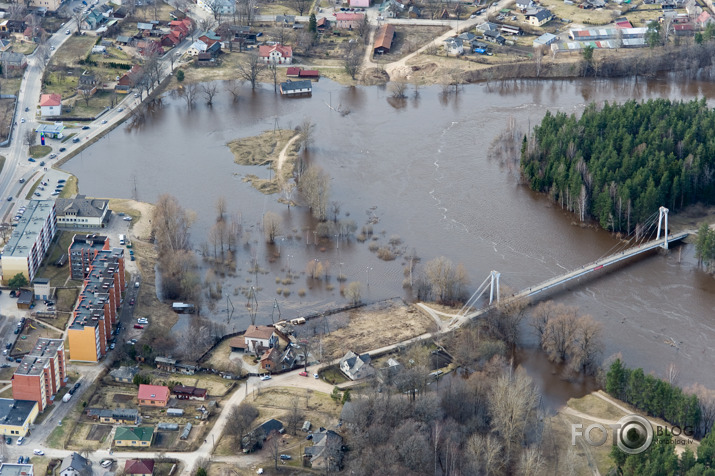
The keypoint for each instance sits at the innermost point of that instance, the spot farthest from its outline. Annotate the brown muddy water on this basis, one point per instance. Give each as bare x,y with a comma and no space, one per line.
421,169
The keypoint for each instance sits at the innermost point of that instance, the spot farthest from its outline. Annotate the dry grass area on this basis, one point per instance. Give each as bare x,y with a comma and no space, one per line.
216,386
29,336
265,149
601,16
24,47
6,373
277,403
595,406
397,322
71,187
7,107
691,217
409,39
219,358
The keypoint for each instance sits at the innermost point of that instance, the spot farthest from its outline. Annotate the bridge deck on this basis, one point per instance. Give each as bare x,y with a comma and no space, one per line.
586,269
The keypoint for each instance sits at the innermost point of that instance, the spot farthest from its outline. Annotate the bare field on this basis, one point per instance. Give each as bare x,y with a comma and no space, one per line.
397,322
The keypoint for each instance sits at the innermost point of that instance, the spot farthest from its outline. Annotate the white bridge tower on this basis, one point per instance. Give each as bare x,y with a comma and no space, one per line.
663,214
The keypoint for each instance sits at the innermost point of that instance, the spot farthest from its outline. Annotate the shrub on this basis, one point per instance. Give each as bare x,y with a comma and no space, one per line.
385,253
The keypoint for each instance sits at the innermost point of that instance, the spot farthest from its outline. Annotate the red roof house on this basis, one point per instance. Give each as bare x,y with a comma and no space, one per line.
50,100
189,393
153,395
309,74
278,54
293,72
139,467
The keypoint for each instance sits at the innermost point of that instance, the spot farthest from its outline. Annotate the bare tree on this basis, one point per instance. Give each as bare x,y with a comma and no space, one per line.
306,130
206,24
17,10
301,5
504,320
532,462
43,53
274,447
398,88
353,60
209,91
86,95
305,41
239,421
273,70
560,335
221,208
30,137
271,226
542,313
672,374
587,346
171,224
78,17
233,86
314,184
485,454
251,69
189,93
538,58
295,417
353,292
447,281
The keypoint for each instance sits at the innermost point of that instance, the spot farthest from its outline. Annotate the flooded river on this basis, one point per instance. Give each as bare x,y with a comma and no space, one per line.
420,168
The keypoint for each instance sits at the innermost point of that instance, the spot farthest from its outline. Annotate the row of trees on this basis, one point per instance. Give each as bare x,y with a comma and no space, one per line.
656,397
618,163
705,247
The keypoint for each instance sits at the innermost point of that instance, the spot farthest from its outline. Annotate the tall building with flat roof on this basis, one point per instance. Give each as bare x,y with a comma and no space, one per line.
30,240
96,309
41,373
82,251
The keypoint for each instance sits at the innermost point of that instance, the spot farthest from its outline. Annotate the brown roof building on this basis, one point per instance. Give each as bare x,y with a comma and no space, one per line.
383,39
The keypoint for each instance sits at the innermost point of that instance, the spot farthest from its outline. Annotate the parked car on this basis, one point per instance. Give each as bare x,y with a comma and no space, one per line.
39,452
20,440
19,460
286,457
106,463
27,109
111,346
84,128
138,326
30,159
265,377
61,181
67,32
22,180
37,194
303,374
62,149
316,376
131,302
9,199
76,386
42,164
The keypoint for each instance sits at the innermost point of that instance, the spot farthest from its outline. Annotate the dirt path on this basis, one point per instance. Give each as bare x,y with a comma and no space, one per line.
282,158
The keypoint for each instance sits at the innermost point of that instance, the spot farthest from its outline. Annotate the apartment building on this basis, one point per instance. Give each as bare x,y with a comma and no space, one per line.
30,240
41,373
102,270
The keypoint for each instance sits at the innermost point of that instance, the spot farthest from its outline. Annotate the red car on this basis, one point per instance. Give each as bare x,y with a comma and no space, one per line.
303,374
138,326
131,303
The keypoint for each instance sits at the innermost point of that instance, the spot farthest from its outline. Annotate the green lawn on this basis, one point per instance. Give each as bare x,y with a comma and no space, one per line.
39,151
2,162
70,188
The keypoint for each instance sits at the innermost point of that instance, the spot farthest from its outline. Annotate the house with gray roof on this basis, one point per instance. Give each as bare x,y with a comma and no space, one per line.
82,212
75,465
355,366
326,452
124,374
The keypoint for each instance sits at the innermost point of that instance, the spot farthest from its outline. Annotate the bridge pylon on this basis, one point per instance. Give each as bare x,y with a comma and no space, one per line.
663,219
494,285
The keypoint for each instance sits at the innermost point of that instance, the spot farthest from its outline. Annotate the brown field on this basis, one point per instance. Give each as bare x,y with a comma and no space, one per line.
218,359
397,320
7,107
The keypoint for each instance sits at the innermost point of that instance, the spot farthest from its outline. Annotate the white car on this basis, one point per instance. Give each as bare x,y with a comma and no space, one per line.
106,463
142,320
316,376
20,440
67,32
263,377
22,121
127,218
39,452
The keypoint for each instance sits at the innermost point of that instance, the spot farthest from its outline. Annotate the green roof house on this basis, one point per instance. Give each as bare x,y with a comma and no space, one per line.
141,436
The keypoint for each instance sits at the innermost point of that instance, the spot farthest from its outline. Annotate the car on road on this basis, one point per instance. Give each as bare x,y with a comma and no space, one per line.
127,218
39,452
22,121
9,199
104,121
120,109
42,163
76,386
22,180
138,326
20,440
265,377
303,374
76,139
143,320
52,156
52,47
286,457
62,149
111,346
316,376
67,32
61,181
8,345
84,128
131,302
30,159
37,194
27,109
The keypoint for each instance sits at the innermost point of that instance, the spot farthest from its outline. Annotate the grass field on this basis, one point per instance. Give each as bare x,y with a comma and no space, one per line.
40,151
24,47
71,187
57,276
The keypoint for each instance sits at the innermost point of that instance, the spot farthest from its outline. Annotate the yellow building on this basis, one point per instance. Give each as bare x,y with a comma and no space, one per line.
50,5
141,436
16,416
30,240
84,342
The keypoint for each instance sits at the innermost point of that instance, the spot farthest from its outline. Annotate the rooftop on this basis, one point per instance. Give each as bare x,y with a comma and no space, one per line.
9,469
32,366
29,227
81,206
139,466
50,100
15,412
139,433
264,332
45,347
153,392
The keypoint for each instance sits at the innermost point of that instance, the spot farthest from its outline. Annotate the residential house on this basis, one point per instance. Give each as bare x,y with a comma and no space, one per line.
494,37
34,33
146,29
48,5
171,39
214,49
129,79
13,61
124,416
383,39
153,395
703,19
326,452
390,8
189,393
270,359
276,54
487,26
197,47
522,5
87,83
293,72
356,366
323,24
539,17
5,44
75,465
545,40
260,338
15,26
511,30
141,436
387,373
16,416
50,105
684,29
259,434
348,21
139,467
94,19
124,40
124,374
454,46
210,37
414,12
149,47
218,7
359,3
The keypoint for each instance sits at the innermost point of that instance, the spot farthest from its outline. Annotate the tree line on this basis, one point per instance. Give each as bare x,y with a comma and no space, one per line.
619,163
705,247
657,397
